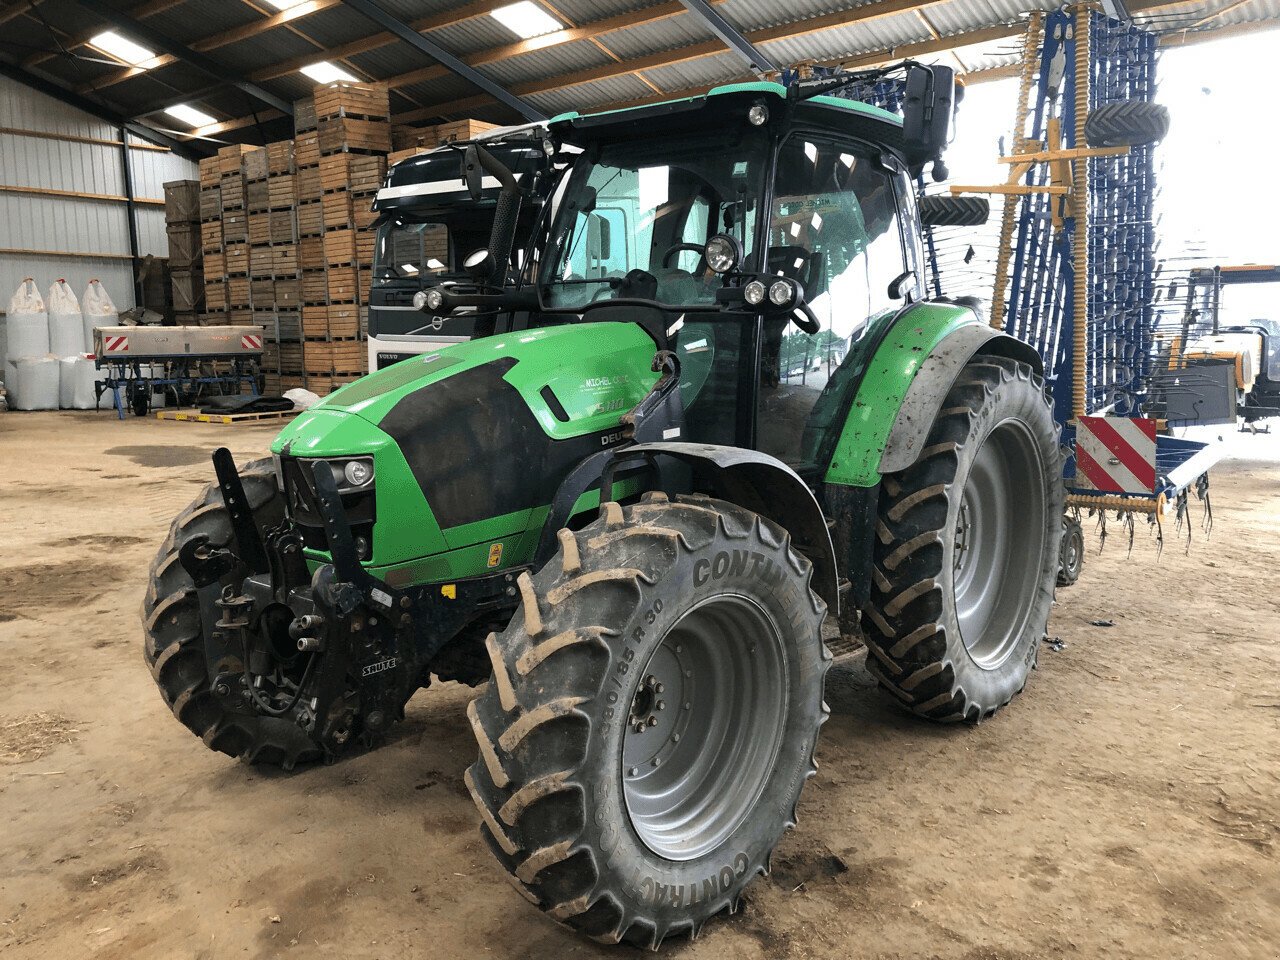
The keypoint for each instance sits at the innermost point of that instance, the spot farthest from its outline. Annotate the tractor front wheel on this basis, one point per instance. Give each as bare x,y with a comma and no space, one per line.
175,638
966,549
651,717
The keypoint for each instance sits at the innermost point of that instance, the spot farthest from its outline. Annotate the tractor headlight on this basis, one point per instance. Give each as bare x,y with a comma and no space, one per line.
758,115
753,293
781,292
357,473
722,253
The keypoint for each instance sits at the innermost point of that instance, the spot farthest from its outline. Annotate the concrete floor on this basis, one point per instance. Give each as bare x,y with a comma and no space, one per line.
1124,806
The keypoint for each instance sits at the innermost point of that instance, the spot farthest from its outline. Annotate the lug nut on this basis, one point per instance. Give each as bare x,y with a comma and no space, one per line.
662,704
658,688
675,738
652,721
633,772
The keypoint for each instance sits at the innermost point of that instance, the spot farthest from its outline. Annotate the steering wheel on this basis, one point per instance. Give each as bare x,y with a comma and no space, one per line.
680,248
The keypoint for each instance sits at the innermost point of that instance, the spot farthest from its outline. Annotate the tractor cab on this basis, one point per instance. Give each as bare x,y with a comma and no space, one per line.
1226,362
428,223
753,235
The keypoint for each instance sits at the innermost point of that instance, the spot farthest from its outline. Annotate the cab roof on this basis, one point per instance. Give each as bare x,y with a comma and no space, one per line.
824,109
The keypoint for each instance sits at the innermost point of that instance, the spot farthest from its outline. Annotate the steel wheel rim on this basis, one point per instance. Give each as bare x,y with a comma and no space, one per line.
693,768
999,543
1073,551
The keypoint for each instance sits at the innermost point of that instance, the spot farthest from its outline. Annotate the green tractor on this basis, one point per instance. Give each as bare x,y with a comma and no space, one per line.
735,416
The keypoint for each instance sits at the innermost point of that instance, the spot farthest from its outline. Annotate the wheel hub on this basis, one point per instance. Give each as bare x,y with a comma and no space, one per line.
998,545
704,726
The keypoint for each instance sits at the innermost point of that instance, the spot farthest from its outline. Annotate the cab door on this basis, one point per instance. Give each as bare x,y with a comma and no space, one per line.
834,227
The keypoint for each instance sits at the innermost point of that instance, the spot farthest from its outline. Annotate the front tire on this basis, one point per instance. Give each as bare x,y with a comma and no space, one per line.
966,549
175,641
651,718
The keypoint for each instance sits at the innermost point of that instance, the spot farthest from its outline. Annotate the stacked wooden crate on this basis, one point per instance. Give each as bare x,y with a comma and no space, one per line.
341,163
215,262
186,259
270,192
410,141
224,237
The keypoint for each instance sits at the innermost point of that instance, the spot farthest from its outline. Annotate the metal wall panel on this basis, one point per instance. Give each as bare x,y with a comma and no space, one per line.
68,224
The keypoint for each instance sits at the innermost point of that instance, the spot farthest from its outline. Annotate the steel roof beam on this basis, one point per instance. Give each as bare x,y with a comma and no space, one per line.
159,41
726,31
245,32
442,56
72,99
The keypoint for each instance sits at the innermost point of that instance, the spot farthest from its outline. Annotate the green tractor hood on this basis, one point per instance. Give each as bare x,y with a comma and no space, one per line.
470,443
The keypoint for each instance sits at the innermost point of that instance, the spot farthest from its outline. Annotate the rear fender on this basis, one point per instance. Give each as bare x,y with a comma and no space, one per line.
750,479
934,378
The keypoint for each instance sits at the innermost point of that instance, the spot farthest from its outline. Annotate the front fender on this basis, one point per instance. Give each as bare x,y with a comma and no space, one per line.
757,481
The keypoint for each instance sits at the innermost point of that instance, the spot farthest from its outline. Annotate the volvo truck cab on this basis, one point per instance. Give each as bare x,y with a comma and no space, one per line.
430,223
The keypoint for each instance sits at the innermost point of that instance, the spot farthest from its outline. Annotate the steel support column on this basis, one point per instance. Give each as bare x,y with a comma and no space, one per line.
130,212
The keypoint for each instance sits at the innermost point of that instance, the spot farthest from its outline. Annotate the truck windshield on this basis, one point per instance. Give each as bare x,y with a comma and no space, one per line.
635,216
428,249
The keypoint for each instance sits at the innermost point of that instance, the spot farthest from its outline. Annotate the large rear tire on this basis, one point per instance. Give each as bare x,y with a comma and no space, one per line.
175,643
966,551
651,718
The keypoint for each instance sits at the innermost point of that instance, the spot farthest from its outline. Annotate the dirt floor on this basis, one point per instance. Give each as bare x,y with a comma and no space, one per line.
1124,806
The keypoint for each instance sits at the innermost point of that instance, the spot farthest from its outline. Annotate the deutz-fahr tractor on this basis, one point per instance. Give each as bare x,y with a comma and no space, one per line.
738,415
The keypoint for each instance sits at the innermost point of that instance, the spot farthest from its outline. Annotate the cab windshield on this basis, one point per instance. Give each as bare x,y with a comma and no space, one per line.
635,216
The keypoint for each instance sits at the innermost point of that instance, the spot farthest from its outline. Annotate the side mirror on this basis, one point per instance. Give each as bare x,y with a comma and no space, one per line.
901,285
472,173
928,109
947,211
478,263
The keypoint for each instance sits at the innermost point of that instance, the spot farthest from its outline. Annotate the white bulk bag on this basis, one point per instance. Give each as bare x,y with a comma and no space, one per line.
76,381
27,329
66,327
37,384
98,311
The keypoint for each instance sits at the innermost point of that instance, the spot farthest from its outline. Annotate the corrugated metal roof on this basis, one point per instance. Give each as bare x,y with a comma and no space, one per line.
856,28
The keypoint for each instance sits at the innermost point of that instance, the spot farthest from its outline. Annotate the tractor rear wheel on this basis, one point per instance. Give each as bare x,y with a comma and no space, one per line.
175,641
651,717
966,549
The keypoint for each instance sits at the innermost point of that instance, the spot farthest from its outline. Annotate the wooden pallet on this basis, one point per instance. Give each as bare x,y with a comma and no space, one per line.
195,416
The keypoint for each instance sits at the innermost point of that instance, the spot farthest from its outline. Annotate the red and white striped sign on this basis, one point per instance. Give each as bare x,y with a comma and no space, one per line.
1116,454
116,344
251,341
